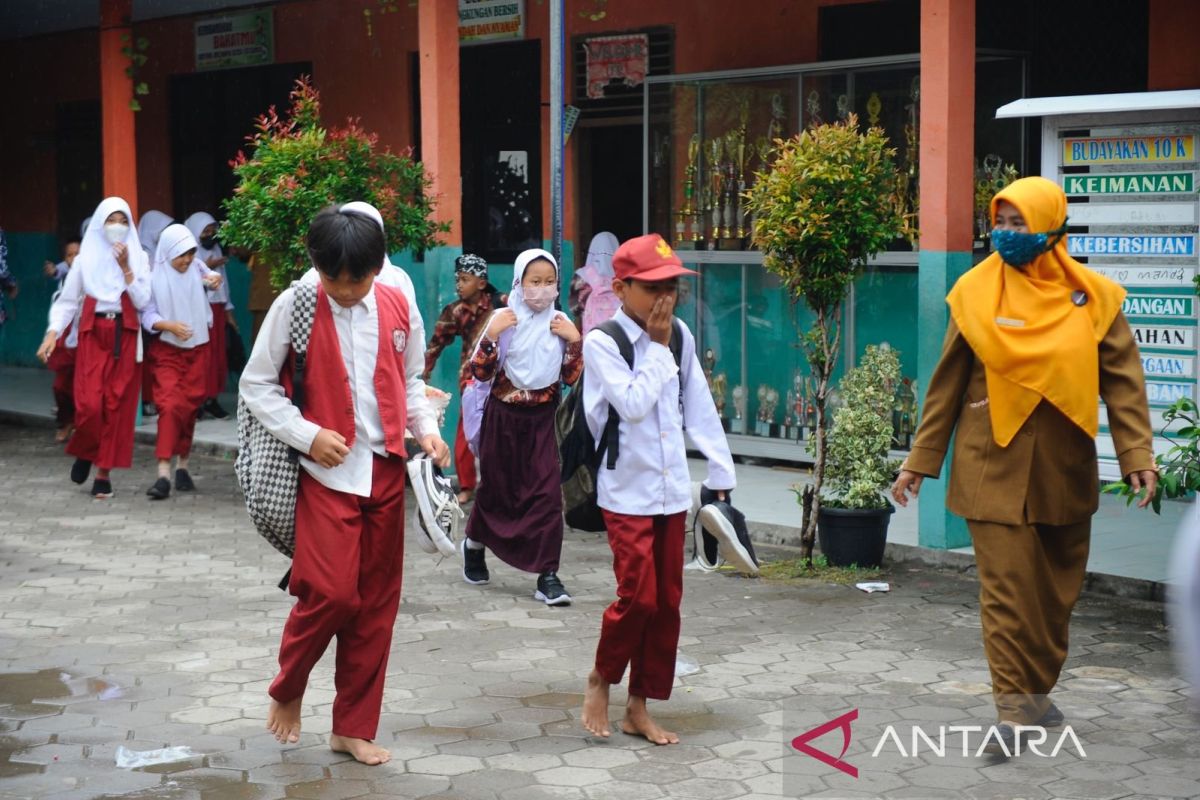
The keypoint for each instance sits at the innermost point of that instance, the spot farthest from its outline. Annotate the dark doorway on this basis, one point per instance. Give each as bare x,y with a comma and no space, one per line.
501,133
77,164
211,115
610,182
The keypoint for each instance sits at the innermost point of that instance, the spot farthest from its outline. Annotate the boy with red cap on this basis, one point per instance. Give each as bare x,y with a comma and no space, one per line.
646,497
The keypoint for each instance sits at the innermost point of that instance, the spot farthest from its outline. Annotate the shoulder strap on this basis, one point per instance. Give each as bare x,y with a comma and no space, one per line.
304,310
610,441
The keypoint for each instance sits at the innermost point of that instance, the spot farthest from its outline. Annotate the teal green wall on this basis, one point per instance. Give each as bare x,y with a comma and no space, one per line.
27,313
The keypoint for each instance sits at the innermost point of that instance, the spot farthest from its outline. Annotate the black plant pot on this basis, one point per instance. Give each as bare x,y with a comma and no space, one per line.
852,536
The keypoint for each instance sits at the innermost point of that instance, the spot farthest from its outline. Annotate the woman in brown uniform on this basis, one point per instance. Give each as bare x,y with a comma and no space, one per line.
1034,338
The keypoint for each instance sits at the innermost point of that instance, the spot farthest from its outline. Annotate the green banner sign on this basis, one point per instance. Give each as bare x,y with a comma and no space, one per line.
1140,183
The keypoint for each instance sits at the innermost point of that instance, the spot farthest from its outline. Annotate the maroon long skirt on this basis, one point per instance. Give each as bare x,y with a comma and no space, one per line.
518,505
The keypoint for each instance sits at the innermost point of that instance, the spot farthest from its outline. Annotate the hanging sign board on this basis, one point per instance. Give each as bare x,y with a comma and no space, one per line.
1142,246
1181,212
1128,150
482,21
235,40
1130,183
1147,276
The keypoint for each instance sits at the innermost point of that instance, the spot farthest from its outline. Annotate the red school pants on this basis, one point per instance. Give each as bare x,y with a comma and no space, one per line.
464,462
106,396
346,577
641,629
218,365
179,374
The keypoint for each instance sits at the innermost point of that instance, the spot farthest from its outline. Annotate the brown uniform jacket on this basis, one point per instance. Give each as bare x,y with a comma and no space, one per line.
1048,473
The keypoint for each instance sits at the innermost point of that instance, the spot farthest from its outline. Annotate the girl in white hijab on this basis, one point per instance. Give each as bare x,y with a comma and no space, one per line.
149,228
107,285
180,312
203,227
520,363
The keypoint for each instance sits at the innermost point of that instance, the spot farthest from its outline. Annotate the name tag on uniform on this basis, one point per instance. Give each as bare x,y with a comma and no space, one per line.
1009,322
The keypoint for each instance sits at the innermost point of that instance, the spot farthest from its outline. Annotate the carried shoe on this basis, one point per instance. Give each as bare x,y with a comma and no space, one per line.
1008,735
149,410
1052,718
475,571
161,489
438,513
183,481
550,590
80,470
728,526
213,408
102,488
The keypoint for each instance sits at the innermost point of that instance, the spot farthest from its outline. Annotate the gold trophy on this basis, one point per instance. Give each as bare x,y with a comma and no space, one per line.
716,178
688,227
735,152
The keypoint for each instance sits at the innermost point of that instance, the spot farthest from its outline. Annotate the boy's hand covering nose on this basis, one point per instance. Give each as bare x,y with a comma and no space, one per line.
659,323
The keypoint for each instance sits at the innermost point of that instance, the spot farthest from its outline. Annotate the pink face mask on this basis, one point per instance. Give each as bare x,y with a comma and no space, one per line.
539,298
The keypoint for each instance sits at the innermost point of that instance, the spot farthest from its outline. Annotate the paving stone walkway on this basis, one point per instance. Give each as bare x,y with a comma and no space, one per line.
138,625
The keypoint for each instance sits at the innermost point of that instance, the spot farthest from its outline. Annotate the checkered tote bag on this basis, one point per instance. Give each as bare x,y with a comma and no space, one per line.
268,470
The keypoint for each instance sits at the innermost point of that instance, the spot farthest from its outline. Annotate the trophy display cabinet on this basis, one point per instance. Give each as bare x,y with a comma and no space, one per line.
706,136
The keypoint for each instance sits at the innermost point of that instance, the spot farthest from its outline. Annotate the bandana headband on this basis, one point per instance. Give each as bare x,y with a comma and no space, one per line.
472,265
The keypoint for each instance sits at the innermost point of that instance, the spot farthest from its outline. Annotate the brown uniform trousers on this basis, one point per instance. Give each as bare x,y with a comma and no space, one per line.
1028,506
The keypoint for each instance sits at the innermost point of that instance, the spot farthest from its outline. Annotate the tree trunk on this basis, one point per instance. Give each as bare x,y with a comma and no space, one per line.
823,363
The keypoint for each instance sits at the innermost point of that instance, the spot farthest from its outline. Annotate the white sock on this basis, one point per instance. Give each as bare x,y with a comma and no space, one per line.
474,545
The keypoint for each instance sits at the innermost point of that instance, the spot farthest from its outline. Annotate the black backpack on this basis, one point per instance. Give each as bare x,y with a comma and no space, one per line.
579,453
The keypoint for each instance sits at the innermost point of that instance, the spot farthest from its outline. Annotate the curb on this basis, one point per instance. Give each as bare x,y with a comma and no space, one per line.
785,537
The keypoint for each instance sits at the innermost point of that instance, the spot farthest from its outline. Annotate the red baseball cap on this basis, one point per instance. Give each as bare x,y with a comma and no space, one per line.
647,258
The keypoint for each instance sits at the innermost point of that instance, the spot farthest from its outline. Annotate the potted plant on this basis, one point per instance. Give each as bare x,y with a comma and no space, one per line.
854,514
825,205
296,167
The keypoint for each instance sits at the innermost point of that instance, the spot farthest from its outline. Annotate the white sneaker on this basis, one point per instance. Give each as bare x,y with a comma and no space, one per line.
438,512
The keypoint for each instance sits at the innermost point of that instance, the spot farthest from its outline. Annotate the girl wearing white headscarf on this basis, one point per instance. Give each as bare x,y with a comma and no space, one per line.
597,302
203,227
149,228
526,353
108,284
180,313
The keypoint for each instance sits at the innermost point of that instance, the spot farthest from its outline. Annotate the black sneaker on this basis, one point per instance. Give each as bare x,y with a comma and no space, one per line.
728,526
551,591
475,571
102,488
213,408
183,481
149,410
161,489
80,470
1052,718
1002,742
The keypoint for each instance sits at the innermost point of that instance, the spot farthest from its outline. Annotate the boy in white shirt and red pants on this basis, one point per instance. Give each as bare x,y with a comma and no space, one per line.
645,499
361,388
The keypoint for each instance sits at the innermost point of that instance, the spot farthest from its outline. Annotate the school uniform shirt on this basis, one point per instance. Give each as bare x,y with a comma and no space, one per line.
393,276
219,295
179,297
651,475
70,299
358,339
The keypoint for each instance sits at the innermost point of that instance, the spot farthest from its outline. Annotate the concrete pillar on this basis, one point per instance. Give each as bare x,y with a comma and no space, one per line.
118,139
947,137
440,147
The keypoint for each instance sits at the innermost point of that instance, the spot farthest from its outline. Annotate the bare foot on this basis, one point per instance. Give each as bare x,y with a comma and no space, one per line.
638,722
465,496
283,721
363,750
595,706
63,433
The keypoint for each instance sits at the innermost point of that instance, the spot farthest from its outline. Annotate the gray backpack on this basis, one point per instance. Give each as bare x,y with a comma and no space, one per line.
268,470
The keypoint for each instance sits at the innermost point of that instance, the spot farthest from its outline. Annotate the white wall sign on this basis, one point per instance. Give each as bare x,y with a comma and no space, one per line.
1146,276
1146,213
1165,337
1164,394
490,20
1165,365
1149,246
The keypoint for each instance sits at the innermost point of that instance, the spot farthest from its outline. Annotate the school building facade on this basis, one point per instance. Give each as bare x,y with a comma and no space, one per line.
669,104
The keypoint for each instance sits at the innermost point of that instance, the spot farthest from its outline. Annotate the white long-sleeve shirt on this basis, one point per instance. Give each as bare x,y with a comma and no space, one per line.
70,299
651,475
358,338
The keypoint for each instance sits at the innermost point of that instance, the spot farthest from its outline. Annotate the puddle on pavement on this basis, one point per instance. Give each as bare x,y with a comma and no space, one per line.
22,688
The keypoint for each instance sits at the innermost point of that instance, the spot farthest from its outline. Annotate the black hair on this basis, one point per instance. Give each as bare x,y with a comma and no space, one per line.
345,241
72,240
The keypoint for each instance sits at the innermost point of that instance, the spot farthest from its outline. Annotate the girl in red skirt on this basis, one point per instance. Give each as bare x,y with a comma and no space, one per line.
526,352
204,228
108,285
179,312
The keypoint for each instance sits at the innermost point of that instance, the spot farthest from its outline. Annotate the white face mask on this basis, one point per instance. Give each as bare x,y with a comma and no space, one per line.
115,232
539,298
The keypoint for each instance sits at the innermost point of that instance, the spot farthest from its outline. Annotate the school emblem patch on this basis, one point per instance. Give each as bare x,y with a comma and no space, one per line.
663,249
399,339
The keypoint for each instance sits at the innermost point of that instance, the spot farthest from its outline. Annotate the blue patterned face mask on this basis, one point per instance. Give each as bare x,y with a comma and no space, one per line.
1018,249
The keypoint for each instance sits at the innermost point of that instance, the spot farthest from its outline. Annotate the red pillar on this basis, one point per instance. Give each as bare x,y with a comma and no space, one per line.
437,33
119,143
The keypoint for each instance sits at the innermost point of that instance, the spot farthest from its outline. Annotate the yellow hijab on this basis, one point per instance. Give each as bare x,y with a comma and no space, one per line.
1035,342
